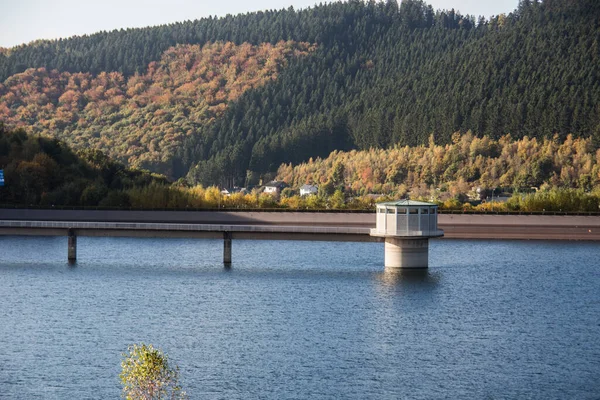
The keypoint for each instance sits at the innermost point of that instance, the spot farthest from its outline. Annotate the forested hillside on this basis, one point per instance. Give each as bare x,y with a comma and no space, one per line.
46,172
444,171
41,171
143,119
381,74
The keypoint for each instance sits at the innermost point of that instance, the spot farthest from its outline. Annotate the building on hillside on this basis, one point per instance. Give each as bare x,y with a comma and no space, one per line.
275,187
373,196
235,189
307,190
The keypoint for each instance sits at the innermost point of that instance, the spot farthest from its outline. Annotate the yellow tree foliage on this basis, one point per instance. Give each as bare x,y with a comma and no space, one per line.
147,374
442,172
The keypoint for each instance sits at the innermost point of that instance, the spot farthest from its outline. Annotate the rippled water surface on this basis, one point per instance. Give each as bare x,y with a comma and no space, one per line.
302,320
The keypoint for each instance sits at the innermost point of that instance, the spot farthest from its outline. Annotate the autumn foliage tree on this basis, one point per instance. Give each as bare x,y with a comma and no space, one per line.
443,171
147,374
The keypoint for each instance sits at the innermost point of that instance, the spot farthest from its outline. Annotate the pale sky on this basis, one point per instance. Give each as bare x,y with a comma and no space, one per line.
25,20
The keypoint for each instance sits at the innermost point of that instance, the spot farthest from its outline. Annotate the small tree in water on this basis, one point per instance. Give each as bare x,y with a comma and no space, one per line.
147,375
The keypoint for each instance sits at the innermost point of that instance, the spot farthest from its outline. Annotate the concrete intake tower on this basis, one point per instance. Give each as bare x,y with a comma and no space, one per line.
407,226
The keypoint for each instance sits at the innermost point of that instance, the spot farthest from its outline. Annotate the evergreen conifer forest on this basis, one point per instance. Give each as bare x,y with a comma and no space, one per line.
230,101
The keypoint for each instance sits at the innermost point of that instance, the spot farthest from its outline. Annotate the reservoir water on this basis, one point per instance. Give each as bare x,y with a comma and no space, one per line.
302,320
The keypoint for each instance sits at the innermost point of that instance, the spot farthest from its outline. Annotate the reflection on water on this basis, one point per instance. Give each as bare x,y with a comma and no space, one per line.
426,277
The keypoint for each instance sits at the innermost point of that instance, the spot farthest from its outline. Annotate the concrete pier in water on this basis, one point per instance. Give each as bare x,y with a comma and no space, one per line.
72,246
407,227
227,248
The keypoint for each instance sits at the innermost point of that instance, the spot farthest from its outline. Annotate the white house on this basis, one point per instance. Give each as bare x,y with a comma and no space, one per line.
275,187
307,190
235,189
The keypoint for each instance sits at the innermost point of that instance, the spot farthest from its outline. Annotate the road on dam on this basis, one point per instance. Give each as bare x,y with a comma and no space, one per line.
463,226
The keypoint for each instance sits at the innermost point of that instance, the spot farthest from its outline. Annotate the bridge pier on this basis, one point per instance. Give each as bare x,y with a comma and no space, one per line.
227,248
72,246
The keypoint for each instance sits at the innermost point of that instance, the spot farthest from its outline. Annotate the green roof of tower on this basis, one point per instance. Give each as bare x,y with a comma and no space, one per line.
407,203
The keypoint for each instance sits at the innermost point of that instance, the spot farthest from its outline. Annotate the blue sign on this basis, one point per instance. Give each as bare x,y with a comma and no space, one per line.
1,177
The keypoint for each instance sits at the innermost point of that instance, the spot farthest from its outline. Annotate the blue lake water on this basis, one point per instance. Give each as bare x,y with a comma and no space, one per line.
302,320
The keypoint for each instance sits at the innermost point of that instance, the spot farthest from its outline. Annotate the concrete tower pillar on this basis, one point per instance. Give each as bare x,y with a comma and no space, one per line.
406,253
72,246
